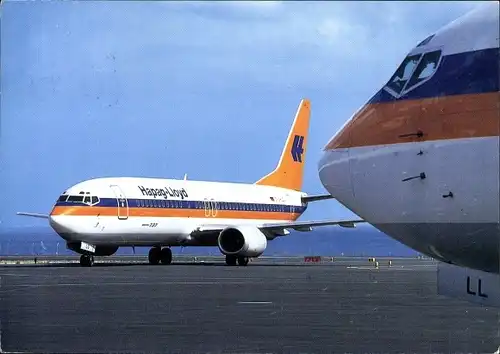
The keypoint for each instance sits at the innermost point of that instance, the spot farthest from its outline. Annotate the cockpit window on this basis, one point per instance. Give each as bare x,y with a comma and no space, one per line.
403,74
414,70
426,67
75,198
85,198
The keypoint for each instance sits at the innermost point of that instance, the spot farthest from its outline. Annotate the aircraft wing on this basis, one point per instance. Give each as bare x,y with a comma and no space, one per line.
278,229
308,225
34,215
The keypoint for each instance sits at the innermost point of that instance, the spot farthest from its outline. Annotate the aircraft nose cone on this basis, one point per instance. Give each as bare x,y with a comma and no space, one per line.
334,173
60,225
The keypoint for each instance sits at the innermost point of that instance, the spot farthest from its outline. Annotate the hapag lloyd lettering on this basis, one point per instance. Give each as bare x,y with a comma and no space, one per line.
167,192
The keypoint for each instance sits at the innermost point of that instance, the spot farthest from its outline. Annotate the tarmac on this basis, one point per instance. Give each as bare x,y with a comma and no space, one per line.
199,305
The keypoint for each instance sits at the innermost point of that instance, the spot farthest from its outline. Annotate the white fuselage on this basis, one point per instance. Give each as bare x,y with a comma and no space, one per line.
462,229
130,211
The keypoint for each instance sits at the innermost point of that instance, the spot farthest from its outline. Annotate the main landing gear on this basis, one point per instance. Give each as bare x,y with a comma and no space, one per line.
231,260
157,255
86,260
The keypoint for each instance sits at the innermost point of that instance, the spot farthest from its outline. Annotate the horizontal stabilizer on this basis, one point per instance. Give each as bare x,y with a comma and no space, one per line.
314,198
34,215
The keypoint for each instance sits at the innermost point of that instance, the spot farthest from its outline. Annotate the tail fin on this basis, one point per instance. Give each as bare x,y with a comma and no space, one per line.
290,170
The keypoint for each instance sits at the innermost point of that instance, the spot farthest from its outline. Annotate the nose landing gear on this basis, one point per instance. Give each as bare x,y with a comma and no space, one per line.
86,260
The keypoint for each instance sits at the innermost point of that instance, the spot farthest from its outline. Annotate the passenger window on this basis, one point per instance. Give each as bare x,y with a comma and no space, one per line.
403,74
425,69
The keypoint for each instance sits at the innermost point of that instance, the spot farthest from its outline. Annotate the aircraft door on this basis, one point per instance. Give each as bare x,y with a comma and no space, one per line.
211,207
206,204
214,207
122,202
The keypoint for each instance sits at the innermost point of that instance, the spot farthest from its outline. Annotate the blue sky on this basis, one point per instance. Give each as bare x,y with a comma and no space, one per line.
160,89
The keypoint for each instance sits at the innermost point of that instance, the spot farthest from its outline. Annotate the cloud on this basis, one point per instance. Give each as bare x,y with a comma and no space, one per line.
279,44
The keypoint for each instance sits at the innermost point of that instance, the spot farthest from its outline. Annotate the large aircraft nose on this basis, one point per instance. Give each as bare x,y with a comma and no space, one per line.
334,173
60,225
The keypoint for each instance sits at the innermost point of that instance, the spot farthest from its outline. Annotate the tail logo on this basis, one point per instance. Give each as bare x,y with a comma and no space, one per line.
297,149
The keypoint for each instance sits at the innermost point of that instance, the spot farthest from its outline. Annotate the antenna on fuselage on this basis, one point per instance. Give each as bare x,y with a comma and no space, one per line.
185,176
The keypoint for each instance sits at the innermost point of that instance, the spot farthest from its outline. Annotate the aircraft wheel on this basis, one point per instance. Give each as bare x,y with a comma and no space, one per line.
154,255
166,256
231,260
243,261
86,260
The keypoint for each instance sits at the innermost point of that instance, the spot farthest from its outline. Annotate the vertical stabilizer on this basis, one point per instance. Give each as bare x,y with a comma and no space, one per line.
290,170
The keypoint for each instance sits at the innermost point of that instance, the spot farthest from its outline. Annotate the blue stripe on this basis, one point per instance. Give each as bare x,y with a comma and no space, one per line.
458,74
192,204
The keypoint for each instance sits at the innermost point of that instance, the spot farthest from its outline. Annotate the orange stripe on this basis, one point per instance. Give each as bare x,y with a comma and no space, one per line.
158,212
439,118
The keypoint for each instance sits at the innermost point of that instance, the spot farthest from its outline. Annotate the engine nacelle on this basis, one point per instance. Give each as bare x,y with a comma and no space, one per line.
246,241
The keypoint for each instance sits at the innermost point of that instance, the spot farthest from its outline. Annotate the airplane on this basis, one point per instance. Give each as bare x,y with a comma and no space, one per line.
420,160
97,216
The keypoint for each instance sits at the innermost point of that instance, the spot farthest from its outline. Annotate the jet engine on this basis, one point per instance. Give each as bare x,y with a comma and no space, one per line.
244,241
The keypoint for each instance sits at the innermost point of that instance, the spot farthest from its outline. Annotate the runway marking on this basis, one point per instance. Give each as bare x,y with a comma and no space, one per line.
364,268
254,302
391,268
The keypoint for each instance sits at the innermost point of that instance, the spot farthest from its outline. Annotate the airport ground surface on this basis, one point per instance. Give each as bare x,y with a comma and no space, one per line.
273,305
